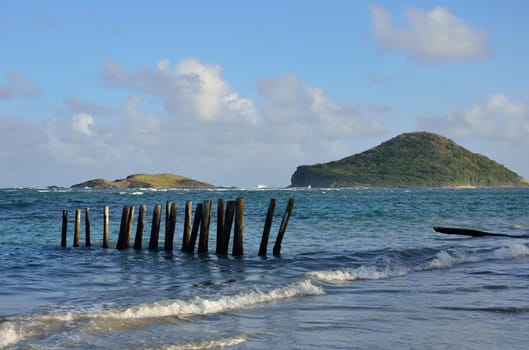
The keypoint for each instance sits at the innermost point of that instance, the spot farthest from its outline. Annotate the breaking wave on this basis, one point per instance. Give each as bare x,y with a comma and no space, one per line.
9,334
360,273
442,259
11,331
451,258
197,306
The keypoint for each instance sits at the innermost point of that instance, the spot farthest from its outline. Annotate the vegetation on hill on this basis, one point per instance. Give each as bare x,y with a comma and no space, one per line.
146,181
418,159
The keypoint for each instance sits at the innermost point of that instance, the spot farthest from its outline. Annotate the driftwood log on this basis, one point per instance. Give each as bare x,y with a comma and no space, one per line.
473,233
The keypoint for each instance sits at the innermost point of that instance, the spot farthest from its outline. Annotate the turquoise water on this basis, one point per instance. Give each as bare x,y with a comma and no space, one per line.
359,269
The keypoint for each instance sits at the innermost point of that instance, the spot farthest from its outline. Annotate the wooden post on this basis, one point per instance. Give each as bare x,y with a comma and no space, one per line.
138,239
267,227
238,233
123,227
155,226
194,230
220,223
105,227
204,227
130,222
187,225
168,206
88,243
226,230
64,227
283,227
77,230
169,232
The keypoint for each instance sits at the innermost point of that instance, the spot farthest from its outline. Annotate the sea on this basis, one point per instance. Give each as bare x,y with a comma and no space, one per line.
358,269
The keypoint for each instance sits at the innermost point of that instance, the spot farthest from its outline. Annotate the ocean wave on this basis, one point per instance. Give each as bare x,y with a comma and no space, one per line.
398,268
207,344
360,273
9,334
200,306
451,258
11,331
197,306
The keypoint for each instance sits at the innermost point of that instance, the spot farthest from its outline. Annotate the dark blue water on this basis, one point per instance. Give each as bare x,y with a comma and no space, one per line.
359,269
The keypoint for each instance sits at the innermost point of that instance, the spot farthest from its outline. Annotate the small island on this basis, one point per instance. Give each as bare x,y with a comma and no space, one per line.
146,181
418,159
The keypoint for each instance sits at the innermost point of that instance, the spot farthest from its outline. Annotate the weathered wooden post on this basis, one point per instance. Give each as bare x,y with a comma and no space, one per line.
123,228
238,233
220,223
283,227
169,232
168,206
87,227
130,222
194,230
267,227
77,230
64,227
138,239
204,227
155,226
105,227
187,225
226,230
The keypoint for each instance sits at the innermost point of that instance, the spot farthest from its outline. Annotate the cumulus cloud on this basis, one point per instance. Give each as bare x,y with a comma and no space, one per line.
18,86
306,110
74,141
144,131
494,117
82,123
185,118
190,89
432,36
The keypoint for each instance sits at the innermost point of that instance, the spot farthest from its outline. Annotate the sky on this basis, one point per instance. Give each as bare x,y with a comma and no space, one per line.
240,93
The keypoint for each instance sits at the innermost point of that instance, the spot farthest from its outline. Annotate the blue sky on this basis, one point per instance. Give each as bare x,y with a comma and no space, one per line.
242,92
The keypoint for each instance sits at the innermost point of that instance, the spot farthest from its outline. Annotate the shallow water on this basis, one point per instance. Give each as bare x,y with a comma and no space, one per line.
359,269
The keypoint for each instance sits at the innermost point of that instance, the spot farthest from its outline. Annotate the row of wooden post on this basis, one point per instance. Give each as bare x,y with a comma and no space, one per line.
199,228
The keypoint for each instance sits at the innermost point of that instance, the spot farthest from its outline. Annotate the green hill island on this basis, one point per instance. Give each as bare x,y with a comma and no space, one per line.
418,159
146,181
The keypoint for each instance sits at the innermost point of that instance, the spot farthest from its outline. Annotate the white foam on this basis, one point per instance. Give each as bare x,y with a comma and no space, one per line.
208,344
442,259
197,306
200,306
360,273
9,334
448,259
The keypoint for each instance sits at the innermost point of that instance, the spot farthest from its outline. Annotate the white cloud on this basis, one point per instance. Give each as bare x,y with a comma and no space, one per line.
18,86
203,129
308,112
191,90
142,130
432,36
82,123
495,117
